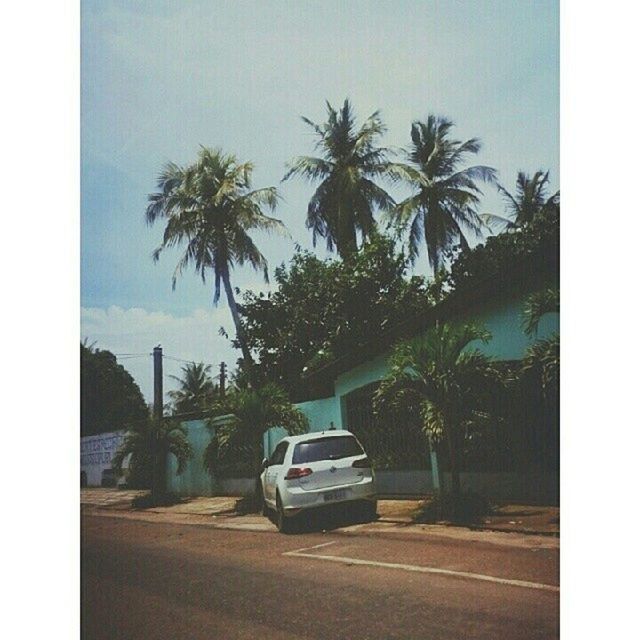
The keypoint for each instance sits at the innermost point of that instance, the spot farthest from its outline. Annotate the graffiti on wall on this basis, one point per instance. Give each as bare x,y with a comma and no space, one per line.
99,449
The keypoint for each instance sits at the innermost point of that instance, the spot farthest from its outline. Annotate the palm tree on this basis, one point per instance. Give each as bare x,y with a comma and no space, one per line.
529,200
449,383
343,204
149,443
196,391
211,207
542,359
445,197
538,304
254,411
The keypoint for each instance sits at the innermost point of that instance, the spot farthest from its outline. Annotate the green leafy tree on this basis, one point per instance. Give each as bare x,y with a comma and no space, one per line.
444,200
196,389
109,396
530,199
211,207
321,309
343,205
145,439
447,381
536,245
254,411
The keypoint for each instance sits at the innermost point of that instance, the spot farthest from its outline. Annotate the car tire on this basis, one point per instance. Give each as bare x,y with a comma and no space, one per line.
283,523
371,509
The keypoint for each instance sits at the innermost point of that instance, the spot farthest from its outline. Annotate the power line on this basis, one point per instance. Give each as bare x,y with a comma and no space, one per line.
179,359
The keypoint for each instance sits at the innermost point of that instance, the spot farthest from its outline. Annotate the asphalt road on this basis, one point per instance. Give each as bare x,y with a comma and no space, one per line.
143,580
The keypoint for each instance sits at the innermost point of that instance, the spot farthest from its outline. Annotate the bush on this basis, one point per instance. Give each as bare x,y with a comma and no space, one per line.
468,508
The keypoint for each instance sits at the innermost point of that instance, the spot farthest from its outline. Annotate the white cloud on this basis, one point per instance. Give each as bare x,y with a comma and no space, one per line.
194,337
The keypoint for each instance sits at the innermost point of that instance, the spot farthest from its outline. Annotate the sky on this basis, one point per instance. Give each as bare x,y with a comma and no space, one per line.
160,78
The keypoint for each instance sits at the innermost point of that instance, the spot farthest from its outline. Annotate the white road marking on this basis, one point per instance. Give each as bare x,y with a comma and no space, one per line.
315,546
421,569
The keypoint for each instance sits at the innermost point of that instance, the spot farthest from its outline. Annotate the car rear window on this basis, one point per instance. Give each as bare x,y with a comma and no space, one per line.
330,448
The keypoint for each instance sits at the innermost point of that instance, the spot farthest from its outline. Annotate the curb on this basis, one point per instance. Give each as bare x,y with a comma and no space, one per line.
359,529
475,527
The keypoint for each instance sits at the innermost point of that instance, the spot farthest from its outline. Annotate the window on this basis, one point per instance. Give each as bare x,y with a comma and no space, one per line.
331,448
277,457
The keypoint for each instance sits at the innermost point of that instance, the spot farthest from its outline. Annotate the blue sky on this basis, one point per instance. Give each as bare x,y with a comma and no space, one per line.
161,77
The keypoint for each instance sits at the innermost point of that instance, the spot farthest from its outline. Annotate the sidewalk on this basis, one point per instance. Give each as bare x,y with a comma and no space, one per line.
395,516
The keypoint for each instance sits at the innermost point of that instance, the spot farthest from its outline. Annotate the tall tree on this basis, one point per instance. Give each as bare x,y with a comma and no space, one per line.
530,198
343,205
445,197
450,384
109,397
196,389
211,207
321,309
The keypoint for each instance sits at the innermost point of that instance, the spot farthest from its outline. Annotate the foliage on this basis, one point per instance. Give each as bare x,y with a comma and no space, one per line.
445,197
109,396
530,199
140,442
210,206
450,384
322,309
254,411
542,362
538,304
537,243
197,390
343,204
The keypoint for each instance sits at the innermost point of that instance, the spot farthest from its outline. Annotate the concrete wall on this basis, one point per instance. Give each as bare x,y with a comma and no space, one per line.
195,480
96,453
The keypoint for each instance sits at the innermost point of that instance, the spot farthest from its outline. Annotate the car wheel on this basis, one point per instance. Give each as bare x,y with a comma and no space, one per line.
282,522
371,509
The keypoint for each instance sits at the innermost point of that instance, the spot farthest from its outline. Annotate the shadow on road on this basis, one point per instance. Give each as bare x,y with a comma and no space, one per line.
330,518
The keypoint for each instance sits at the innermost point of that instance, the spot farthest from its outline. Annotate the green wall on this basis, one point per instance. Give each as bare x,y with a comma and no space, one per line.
194,480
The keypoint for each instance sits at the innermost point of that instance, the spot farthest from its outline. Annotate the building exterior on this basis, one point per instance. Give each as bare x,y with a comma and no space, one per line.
339,396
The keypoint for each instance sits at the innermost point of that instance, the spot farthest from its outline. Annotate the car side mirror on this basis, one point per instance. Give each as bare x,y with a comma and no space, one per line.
265,463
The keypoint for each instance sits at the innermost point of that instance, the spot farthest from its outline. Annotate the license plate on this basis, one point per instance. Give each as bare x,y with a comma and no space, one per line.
335,495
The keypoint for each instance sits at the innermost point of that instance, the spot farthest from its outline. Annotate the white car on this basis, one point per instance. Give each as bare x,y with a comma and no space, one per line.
315,470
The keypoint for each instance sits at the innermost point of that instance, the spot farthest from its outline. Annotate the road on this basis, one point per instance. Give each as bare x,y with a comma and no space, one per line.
150,580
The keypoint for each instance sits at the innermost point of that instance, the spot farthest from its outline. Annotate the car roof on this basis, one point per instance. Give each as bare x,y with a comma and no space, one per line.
314,435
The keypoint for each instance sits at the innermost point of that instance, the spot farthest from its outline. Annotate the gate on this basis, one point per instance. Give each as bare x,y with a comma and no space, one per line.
395,443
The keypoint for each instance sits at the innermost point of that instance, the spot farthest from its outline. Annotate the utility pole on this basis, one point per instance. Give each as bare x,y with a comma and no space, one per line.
223,379
157,417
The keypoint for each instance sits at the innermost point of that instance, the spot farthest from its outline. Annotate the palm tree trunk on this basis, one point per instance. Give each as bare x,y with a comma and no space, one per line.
246,354
346,240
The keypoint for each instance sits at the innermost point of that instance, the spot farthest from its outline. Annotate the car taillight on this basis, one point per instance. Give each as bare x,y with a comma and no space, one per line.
298,472
362,463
